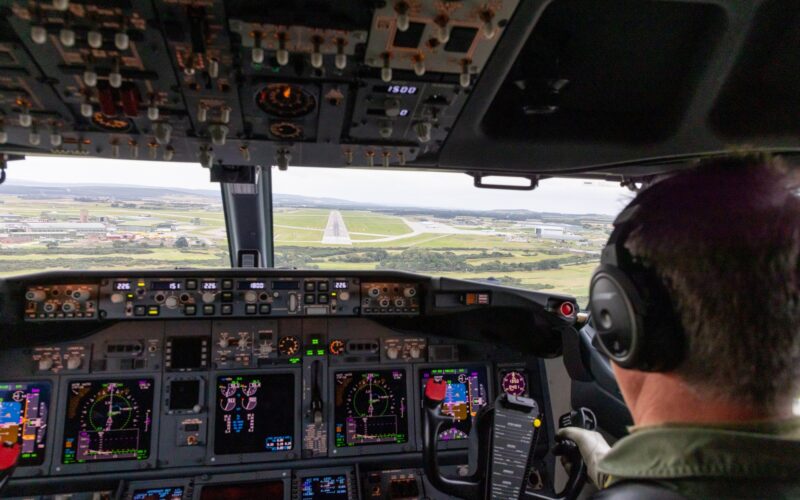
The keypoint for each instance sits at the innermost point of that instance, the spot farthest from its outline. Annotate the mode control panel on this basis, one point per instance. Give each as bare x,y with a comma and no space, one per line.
123,298
57,302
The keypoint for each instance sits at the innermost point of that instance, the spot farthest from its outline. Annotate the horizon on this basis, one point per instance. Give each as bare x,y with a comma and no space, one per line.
375,187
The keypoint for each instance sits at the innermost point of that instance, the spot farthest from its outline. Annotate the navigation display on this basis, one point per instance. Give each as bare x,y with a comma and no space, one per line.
328,487
108,420
466,394
23,418
371,408
255,413
168,493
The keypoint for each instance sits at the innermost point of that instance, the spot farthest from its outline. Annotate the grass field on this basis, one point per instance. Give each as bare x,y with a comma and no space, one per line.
482,248
374,224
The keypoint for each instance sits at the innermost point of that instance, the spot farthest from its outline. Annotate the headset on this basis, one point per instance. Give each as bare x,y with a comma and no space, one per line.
634,317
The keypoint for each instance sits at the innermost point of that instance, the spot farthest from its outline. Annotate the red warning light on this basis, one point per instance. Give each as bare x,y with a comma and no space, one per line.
567,309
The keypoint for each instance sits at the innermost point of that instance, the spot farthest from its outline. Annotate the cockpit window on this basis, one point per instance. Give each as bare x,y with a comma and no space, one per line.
440,224
69,213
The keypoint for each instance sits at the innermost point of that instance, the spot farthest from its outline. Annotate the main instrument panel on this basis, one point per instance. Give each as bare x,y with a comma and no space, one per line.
277,384
238,83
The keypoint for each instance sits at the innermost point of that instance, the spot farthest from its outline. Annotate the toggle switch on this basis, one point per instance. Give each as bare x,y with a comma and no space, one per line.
340,59
386,70
282,54
316,55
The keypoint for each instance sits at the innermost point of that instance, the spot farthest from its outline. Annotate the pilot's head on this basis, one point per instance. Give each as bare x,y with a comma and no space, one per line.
700,287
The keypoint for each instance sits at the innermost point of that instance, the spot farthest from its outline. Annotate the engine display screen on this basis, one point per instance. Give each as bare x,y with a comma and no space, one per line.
108,421
243,491
467,392
328,487
168,493
371,408
23,418
255,414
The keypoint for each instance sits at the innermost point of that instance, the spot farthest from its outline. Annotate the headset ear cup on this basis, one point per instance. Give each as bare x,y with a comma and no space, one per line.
636,324
617,311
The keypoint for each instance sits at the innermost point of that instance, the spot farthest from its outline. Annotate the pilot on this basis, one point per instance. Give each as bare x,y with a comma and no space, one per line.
697,303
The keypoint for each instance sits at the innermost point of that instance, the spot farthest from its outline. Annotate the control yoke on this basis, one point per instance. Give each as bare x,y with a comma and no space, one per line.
506,435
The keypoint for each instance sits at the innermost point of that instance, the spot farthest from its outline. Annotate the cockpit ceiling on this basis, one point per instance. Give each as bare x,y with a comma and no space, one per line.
564,87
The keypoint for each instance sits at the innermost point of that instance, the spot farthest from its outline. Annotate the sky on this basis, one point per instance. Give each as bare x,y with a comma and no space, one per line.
385,187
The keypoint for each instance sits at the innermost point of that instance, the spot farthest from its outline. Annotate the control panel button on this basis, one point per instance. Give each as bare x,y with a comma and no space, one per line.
310,286
227,284
191,284
208,309
226,309
264,309
309,298
322,286
250,308
190,310
139,310
227,296
322,298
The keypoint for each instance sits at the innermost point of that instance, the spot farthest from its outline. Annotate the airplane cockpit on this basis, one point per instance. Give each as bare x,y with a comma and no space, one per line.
257,341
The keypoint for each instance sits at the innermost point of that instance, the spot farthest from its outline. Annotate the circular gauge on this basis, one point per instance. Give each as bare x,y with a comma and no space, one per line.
288,346
514,383
112,409
285,100
110,123
336,347
286,130
370,397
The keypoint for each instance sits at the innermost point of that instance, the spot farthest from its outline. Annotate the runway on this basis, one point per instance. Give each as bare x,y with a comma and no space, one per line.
336,231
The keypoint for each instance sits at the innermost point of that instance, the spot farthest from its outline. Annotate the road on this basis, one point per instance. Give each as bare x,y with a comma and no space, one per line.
336,231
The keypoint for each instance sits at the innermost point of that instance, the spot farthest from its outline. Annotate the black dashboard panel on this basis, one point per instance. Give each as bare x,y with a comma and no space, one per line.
292,403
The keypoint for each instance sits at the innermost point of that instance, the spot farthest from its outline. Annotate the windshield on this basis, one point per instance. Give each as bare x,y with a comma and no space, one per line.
68,213
439,223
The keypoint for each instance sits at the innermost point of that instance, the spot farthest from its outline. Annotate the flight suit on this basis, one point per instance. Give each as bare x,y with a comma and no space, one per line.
742,461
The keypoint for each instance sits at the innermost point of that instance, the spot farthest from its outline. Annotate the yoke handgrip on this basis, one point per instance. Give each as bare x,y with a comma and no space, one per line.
432,421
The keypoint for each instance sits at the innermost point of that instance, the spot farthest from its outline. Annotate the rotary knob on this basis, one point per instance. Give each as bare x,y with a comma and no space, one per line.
391,107
45,364
208,297
392,352
117,298
171,302
35,295
74,362
242,343
250,297
223,342
415,352
81,295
